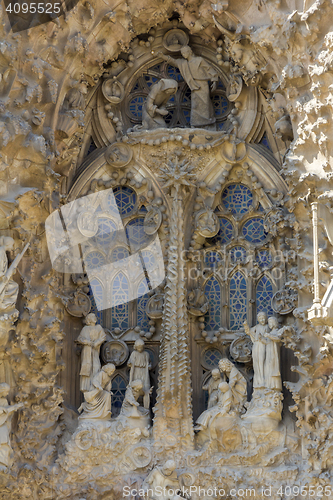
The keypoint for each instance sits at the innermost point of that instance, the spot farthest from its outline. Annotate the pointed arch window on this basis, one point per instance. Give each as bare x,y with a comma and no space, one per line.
96,298
264,295
142,318
118,394
237,301
120,294
213,294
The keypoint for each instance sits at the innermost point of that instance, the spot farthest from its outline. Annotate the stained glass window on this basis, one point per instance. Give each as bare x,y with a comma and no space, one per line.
264,258
225,233
94,260
142,318
107,231
119,253
150,80
221,105
118,394
120,293
237,198
174,73
126,199
253,230
148,259
264,294
237,254
237,301
135,106
211,358
212,258
135,233
213,294
96,298
265,142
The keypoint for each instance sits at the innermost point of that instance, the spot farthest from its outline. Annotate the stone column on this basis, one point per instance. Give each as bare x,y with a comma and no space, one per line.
173,411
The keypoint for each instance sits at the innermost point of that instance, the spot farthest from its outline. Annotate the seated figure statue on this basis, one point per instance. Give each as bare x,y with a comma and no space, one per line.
97,404
213,387
223,407
162,483
155,107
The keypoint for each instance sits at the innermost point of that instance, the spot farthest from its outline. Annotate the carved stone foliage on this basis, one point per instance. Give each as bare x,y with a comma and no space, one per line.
272,134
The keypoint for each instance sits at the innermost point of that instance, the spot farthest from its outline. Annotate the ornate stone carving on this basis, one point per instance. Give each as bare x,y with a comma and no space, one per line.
175,39
79,305
235,87
113,91
6,411
162,479
241,349
207,223
212,387
197,302
284,301
91,338
197,72
115,351
118,155
97,400
8,287
154,308
135,415
153,220
155,106
139,364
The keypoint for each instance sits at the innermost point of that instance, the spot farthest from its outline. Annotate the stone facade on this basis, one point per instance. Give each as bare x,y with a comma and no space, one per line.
166,251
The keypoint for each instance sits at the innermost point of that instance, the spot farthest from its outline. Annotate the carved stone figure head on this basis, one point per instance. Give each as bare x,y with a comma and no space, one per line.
216,374
7,242
186,52
223,387
262,318
225,365
4,390
272,322
139,345
91,319
169,467
109,369
137,386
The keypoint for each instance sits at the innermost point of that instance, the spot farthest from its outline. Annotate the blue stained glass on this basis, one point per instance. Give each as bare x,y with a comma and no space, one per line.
220,125
135,106
119,253
142,318
96,298
169,117
220,104
225,233
220,85
212,258
148,258
237,198
135,233
187,96
212,358
187,115
118,394
107,231
174,73
254,231
120,293
150,80
126,199
238,254
265,142
213,294
237,301
264,295
260,208
264,258
94,260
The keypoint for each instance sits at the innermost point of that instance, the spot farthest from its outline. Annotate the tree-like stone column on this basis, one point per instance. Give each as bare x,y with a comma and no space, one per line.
173,411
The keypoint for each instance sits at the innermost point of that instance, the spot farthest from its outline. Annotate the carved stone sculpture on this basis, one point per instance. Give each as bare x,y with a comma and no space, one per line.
8,296
197,302
223,407
196,73
212,387
237,383
258,337
162,482
97,402
91,338
131,411
139,364
155,107
6,412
